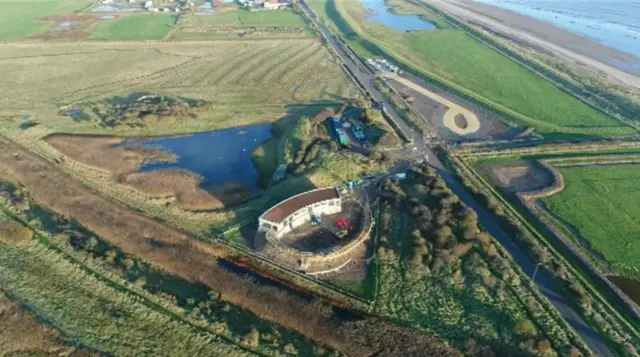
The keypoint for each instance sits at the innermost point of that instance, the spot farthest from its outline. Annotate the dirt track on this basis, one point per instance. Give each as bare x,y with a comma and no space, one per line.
472,121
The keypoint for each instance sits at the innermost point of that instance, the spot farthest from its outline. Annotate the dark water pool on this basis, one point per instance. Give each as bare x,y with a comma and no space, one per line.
218,156
382,16
628,286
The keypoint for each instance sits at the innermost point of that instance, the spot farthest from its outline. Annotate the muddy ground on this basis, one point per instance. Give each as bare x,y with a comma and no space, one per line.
71,26
518,177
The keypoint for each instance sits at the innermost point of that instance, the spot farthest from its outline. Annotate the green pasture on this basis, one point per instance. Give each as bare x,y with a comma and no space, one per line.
19,19
454,59
602,203
133,27
252,18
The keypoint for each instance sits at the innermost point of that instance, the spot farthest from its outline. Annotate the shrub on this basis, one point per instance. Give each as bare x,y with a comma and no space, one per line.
525,329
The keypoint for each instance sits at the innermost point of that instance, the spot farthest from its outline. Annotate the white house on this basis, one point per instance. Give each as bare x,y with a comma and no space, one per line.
298,210
274,5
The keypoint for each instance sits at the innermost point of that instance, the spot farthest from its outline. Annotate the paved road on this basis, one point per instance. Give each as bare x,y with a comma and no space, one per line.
543,280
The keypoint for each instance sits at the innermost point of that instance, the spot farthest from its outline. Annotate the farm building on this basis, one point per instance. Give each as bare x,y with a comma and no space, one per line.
338,131
298,210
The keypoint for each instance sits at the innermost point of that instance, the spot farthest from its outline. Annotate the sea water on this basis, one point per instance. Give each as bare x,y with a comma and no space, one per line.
614,23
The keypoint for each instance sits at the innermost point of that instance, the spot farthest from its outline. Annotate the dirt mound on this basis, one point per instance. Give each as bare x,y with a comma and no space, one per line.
527,178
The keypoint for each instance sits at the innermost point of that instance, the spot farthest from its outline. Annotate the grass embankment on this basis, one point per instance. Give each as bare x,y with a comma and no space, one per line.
576,279
454,59
133,27
309,151
245,82
602,204
21,334
19,19
439,272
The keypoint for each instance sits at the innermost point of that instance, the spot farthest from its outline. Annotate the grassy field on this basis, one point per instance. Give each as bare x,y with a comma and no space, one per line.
133,27
602,203
21,334
248,18
244,82
20,18
460,61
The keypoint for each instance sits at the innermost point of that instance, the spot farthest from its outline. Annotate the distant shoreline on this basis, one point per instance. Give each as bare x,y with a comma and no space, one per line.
581,51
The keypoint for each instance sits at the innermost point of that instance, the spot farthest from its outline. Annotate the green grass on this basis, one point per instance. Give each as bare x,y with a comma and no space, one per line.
246,82
97,315
19,18
251,18
602,203
457,60
133,27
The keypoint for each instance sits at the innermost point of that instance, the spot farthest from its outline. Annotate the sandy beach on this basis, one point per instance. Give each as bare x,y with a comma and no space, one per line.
579,50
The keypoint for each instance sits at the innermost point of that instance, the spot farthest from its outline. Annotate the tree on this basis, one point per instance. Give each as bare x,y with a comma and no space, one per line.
252,338
443,236
545,349
525,329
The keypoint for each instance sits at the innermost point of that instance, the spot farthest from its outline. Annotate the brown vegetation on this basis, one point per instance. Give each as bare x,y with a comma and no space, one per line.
515,179
12,232
174,252
68,27
22,335
123,163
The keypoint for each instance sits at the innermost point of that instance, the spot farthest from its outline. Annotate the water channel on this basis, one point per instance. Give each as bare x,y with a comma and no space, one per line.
218,156
382,15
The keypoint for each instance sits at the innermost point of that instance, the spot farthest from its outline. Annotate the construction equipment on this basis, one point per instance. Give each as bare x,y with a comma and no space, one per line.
341,234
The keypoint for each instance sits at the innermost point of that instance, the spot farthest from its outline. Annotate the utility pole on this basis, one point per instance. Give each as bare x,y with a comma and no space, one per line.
533,278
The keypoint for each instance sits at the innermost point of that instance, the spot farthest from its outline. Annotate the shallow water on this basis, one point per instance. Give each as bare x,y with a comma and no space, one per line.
614,23
382,16
218,156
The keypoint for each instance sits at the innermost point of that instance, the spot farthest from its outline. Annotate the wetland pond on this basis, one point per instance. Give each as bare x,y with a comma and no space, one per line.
220,156
382,15
628,286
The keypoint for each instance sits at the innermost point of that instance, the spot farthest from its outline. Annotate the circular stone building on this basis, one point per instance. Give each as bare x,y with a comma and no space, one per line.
298,210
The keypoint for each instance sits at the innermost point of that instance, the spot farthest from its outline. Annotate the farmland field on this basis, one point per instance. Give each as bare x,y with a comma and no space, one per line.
460,61
19,19
601,202
243,82
133,27
250,18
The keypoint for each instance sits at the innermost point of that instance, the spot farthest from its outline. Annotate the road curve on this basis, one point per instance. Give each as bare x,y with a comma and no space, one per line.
543,280
453,109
